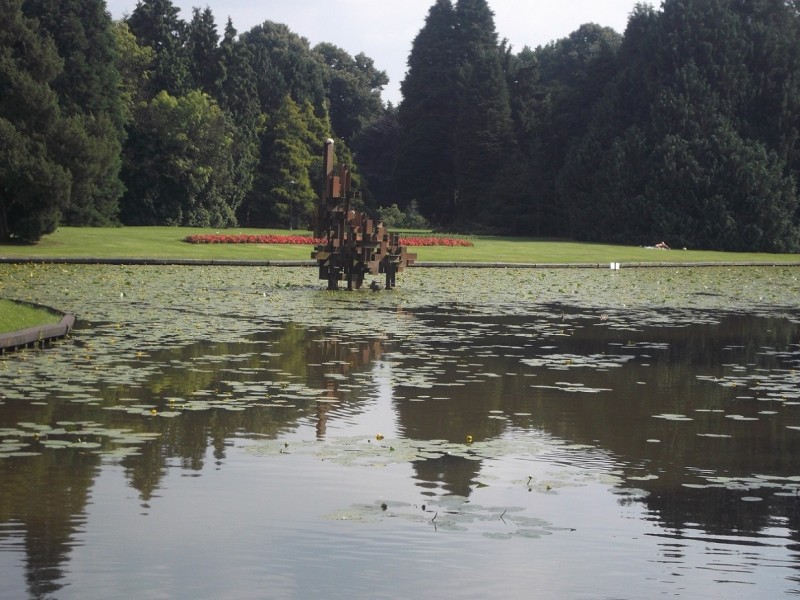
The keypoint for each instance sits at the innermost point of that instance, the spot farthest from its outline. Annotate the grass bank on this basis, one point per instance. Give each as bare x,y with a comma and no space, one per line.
167,243
15,316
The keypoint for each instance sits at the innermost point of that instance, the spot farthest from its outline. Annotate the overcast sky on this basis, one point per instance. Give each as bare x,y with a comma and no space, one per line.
385,29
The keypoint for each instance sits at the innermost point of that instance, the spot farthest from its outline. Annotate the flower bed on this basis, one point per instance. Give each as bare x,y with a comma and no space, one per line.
217,238
242,238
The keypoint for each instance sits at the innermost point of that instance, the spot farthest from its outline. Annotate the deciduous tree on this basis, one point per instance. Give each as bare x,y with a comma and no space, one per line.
180,168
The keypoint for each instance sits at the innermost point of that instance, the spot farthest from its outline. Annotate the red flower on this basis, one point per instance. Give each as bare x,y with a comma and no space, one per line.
217,238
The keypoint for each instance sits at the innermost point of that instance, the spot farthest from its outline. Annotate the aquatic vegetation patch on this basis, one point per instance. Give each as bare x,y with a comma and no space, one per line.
454,514
572,361
379,451
32,439
775,485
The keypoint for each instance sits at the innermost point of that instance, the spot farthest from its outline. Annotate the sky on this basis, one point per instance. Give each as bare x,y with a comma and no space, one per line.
385,29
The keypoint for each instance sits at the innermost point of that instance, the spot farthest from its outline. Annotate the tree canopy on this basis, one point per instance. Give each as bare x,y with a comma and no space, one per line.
34,182
684,127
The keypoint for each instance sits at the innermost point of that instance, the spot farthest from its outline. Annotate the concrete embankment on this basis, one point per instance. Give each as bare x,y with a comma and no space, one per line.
37,336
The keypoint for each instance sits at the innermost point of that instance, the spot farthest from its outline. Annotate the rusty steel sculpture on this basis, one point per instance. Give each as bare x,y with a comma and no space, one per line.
354,244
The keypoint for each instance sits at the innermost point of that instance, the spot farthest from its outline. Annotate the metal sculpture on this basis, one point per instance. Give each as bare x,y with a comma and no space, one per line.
354,244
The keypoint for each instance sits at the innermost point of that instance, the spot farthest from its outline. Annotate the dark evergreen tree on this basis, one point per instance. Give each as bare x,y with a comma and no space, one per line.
34,185
156,24
284,64
771,111
572,74
525,95
374,149
673,158
239,97
524,185
475,31
425,168
205,63
238,90
89,95
456,139
482,146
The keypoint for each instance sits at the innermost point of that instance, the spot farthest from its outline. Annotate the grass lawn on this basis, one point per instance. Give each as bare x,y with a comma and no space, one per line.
15,316
167,242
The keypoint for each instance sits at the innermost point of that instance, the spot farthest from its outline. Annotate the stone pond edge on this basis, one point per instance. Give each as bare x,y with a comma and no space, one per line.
39,334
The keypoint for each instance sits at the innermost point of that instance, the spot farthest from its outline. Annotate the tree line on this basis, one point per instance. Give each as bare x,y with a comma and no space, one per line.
683,128
153,120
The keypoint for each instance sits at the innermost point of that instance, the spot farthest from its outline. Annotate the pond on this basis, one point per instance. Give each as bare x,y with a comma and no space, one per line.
225,432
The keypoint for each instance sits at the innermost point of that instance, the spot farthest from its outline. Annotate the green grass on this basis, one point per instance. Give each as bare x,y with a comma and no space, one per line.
167,242
15,316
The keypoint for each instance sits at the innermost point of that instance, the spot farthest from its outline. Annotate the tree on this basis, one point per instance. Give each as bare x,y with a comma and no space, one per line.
180,169
353,88
156,24
133,63
673,159
456,139
482,144
427,115
375,148
238,91
285,65
554,111
283,193
34,186
771,110
89,96
202,41
239,97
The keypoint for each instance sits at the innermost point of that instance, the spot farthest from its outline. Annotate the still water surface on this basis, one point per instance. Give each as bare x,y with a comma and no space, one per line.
238,434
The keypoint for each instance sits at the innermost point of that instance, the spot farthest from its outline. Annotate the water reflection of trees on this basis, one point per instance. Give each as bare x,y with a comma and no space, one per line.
49,495
46,503
446,474
659,374
294,352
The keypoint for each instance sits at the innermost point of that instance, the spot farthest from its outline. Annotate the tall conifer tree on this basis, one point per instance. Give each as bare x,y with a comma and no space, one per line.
678,155
34,186
427,116
284,64
455,118
205,65
482,145
156,23
89,95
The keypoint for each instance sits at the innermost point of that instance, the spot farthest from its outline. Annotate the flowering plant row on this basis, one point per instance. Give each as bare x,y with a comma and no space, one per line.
217,238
